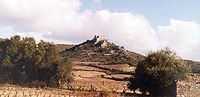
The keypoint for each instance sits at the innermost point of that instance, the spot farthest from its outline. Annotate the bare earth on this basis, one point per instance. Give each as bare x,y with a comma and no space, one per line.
90,78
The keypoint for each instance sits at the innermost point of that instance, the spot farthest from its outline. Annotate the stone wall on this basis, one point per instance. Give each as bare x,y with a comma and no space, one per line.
13,91
190,87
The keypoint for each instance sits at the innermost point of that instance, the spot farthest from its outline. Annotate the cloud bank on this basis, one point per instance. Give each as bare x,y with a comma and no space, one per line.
61,22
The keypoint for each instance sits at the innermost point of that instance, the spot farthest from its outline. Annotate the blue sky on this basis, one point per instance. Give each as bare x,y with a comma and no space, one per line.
138,25
158,12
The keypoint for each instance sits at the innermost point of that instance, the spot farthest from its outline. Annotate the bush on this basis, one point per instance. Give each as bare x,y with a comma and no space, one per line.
158,71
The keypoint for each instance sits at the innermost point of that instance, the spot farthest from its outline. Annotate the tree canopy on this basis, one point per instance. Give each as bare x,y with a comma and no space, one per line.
22,61
158,71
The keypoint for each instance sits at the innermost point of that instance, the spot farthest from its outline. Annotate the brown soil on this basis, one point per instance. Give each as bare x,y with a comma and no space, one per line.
92,78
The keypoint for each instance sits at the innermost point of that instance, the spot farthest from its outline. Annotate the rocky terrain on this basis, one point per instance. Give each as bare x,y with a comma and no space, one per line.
189,87
101,50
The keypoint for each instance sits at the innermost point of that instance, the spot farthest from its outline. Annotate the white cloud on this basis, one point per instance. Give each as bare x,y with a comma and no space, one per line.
97,1
37,15
183,37
62,18
132,31
38,36
35,35
6,32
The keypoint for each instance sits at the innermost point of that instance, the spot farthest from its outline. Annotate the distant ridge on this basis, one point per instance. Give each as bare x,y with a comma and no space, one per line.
62,47
195,66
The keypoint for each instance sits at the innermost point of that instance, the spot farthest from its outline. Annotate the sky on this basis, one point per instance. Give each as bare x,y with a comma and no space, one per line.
138,25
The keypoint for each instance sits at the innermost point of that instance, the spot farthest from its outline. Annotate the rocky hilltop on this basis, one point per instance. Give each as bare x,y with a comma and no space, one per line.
101,50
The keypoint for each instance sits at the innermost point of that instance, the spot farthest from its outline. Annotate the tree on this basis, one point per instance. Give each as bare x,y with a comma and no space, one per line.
158,71
22,61
52,68
9,60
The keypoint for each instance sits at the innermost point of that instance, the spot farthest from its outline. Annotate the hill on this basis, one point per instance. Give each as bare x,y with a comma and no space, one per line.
101,50
62,47
195,66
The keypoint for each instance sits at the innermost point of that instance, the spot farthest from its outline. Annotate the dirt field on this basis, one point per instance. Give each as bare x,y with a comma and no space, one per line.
91,76
18,91
122,67
90,81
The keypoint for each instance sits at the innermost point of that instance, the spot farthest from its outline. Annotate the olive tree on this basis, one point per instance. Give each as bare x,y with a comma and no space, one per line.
158,71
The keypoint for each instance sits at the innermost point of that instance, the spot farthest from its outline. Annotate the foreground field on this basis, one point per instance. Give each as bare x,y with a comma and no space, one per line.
187,88
94,77
18,91
94,80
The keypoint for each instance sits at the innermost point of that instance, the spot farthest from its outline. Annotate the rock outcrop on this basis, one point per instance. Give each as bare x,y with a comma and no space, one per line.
100,41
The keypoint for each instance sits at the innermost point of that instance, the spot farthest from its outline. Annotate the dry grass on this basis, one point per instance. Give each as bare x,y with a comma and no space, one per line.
122,67
86,68
97,84
119,76
88,74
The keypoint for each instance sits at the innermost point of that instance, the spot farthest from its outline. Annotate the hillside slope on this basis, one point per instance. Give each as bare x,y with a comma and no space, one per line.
62,47
100,50
195,66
